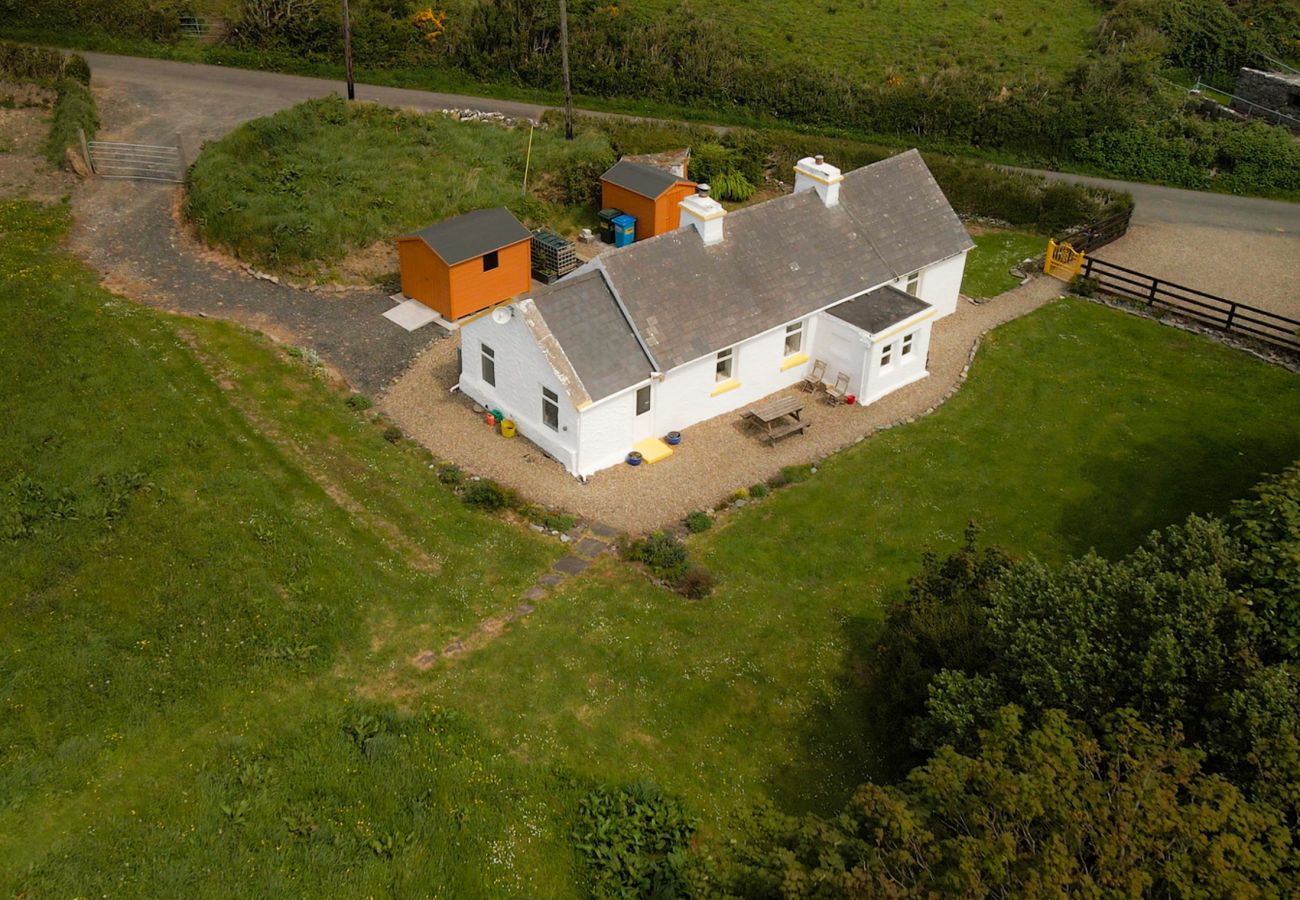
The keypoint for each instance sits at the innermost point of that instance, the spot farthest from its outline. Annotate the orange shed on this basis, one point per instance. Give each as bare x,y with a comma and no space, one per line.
466,263
649,194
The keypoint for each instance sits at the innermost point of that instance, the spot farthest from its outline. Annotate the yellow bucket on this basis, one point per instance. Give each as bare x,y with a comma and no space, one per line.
507,427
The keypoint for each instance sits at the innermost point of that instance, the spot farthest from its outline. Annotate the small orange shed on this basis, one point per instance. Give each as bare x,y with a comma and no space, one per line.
648,193
466,263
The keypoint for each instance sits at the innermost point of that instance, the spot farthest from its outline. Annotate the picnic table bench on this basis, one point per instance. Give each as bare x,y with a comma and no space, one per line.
778,418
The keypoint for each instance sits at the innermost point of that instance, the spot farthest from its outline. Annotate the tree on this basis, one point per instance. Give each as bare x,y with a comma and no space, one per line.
1040,812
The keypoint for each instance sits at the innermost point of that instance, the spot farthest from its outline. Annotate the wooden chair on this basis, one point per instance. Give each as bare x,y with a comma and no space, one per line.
814,379
839,390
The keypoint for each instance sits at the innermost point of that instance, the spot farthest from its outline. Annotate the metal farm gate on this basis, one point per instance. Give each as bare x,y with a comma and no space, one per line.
151,162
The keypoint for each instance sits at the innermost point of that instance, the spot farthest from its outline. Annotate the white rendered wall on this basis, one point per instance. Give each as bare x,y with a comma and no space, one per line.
521,372
940,284
902,370
606,431
844,348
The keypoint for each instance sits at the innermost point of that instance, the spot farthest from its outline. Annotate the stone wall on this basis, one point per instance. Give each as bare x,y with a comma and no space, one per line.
1260,93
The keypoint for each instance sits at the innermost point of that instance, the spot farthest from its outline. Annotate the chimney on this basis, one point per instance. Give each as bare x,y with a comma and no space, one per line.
704,213
814,173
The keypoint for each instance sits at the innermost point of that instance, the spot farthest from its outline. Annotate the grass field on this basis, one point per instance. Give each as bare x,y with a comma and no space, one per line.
216,574
988,265
879,37
299,190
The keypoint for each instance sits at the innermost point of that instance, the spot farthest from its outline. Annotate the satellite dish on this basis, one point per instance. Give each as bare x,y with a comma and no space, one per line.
502,314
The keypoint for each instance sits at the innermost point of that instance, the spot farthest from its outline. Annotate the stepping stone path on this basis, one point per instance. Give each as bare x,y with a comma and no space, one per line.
585,542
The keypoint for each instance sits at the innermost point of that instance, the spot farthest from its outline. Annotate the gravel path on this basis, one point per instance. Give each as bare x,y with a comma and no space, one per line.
1259,268
715,458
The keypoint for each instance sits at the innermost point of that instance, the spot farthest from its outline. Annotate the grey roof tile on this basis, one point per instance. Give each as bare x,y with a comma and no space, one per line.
878,310
473,234
583,316
648,181
783,259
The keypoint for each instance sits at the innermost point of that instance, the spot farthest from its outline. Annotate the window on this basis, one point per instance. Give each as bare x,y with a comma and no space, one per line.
643,400
491,261
793,338
724,368
550,409
907,344
489,366
886,356
914,284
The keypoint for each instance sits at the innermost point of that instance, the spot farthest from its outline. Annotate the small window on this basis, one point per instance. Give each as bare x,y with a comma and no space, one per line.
907,344
550,409
724,367
643,400
914,284
491,261
489,366
793,338
886,356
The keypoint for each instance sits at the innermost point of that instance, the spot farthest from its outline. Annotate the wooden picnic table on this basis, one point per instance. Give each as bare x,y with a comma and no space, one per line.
778,417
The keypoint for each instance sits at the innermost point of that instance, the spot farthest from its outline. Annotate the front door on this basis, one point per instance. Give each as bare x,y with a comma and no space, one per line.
644,424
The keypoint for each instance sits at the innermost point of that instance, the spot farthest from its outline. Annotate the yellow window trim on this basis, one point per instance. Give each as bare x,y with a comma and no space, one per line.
796,360
729,385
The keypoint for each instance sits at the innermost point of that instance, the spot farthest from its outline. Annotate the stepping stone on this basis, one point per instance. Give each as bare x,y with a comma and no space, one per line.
425,659
604,531
572,565
536,592
551,579
589,547
453,648
523,609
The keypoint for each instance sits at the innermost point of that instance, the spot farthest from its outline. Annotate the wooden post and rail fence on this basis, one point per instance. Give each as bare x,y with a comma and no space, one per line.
1067,263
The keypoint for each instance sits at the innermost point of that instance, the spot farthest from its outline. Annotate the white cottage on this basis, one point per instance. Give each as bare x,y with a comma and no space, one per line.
850,269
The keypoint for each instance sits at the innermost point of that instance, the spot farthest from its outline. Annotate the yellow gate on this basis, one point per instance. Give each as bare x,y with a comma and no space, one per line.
1062,260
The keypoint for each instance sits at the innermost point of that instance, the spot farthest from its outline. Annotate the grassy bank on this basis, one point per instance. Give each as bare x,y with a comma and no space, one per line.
988,265
74,105
299,190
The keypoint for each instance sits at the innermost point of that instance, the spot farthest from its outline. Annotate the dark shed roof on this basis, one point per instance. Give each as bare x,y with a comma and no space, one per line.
473,234
647,181
880,309
783,259
600,345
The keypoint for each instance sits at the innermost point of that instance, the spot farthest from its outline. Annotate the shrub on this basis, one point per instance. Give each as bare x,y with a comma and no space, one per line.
739,494
561,522
698,520
634,842
450,473
758,491
796,474
486,495
393,434
358,402
1084,287
695,583
77,69
664,554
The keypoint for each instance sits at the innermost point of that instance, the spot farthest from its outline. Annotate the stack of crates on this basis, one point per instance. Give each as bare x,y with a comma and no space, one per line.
552,256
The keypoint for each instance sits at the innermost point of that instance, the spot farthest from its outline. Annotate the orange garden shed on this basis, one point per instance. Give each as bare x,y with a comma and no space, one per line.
466,263
648,193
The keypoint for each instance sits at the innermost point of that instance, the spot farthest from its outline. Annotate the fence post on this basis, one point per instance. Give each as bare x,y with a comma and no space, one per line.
1151,295
180,153
1047,260
85,150
1232,314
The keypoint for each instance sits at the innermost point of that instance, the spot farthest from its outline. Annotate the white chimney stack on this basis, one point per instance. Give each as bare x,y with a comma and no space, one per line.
703,212
813,173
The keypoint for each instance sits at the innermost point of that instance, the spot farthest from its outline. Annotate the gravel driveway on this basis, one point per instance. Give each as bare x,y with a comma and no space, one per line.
715,458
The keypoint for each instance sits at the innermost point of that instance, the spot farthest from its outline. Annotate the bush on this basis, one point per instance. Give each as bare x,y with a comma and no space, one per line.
796,474
662,553
74,108
561,522
695,583
77,69
1084,287
486,495
758,491
358,402
393,434
634,842
450,473
697,521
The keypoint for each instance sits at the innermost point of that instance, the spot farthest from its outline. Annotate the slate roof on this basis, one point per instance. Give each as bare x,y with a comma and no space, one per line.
783,259
648,181
584,317
880,309
473,234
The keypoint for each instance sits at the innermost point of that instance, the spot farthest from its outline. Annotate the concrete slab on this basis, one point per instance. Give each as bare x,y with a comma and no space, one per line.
412,314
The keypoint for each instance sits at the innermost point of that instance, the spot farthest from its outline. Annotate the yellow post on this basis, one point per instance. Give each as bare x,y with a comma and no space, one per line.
1047,260
529,158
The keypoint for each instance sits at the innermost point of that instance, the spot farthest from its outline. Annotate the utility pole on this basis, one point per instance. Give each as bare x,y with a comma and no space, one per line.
347,51
564,66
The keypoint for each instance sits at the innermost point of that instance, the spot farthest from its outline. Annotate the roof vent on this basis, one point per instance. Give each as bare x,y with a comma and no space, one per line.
704,213
814,173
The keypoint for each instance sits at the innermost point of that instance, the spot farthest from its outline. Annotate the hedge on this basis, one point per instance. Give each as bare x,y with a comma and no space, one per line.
74,108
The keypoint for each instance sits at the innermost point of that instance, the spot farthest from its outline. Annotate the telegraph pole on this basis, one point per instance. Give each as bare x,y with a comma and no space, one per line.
564,66
347,51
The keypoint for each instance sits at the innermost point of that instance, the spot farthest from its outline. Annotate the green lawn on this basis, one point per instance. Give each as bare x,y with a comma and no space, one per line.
299,190
216,575
879,37
988,265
